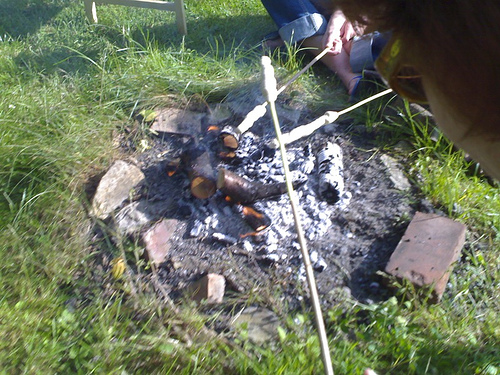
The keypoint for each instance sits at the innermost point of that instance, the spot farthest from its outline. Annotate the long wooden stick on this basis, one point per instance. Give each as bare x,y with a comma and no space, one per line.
270,93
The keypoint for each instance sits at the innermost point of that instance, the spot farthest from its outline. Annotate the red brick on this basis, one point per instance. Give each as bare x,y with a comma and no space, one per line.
157,240
427,251
210,287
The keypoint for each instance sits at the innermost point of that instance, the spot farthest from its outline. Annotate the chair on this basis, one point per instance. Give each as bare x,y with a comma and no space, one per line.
176,6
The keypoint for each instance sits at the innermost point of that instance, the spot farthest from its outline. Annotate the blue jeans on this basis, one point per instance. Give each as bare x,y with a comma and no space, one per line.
296,19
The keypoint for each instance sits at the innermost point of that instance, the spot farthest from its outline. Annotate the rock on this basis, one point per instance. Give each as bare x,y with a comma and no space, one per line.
261,324
210,287
157,240
224,238
132,218
135,216
114,188
178,121
320,265
330,129
436,134
197,229
241,102
395,173
427,251
404,146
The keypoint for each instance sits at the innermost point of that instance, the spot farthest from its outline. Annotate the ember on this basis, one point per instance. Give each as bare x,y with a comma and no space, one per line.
257,220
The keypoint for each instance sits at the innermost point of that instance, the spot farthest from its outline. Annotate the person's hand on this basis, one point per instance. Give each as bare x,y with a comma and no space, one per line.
332,38
339,32
333,42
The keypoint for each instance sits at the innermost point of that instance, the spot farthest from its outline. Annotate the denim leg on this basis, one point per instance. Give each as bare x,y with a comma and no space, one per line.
366,49
296,19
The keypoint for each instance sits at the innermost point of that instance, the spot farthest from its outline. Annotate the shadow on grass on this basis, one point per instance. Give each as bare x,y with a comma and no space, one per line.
220,36
19,18
204,33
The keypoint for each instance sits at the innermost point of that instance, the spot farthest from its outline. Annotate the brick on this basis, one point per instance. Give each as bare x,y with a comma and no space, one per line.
427,251
157,240
210,287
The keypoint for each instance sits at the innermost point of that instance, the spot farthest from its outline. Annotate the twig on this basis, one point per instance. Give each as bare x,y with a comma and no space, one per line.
270,92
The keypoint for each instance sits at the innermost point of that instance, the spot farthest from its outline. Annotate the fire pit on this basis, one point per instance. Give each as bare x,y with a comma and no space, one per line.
239,224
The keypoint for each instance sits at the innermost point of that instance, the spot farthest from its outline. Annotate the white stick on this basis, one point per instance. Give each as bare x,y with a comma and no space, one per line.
329,117
305,130
270,92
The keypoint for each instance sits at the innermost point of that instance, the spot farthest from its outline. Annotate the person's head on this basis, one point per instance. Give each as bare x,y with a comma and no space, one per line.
454,45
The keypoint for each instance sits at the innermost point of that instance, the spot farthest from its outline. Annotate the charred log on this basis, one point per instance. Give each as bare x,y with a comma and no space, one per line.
244,191
172,166
200,169
230,137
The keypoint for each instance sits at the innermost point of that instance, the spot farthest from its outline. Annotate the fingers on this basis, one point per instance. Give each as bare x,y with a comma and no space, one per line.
335,47
347,31
334,43
336,38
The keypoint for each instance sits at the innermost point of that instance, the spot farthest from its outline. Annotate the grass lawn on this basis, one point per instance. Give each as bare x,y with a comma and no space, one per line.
69,87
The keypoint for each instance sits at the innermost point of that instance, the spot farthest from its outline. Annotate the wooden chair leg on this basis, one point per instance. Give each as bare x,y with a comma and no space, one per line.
180,17
90,10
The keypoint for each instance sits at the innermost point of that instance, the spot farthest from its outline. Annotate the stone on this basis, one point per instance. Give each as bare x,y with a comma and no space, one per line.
330,129
421,113
178,121
396,175
114,188
241,102
210,287
427,251
261,324
135,216
132,218
157,240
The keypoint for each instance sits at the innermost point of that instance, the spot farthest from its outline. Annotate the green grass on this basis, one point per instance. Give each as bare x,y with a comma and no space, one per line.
69,87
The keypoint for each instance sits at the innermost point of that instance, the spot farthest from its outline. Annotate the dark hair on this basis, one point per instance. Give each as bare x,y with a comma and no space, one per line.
454,43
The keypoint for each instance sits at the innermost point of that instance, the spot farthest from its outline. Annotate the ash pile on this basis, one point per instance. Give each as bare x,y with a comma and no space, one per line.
233,216
252,189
